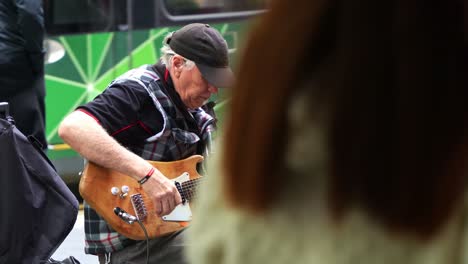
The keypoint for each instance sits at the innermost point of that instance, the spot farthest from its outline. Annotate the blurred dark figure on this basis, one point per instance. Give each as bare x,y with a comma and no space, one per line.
22,65
347,140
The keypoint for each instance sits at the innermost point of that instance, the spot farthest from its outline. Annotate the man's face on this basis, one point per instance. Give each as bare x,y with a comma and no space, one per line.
189,83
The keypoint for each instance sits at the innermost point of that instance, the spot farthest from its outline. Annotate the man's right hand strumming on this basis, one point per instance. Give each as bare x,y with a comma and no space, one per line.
163,193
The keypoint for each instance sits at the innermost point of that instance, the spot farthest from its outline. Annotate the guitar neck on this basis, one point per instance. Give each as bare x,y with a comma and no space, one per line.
189,188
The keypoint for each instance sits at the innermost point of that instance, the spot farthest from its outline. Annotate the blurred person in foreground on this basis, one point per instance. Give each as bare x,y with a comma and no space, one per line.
153,112
22,65
356,148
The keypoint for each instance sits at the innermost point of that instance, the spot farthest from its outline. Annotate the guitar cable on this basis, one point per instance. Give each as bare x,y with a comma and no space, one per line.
130,219
147,240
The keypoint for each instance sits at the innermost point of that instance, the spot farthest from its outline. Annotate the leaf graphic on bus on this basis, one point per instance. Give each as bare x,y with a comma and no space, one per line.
90,63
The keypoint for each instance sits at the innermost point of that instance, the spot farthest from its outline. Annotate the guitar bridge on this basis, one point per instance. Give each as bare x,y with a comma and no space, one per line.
139,206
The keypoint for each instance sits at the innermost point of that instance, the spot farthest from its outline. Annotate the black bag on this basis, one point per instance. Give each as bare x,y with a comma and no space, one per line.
38,210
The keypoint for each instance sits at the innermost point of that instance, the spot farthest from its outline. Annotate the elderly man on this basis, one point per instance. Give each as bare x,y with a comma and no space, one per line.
150,113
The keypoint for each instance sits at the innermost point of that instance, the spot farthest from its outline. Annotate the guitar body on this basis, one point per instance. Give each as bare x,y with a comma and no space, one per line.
97,182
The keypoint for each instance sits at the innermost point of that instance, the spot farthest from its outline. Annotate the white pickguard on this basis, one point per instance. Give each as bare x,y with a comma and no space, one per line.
182,212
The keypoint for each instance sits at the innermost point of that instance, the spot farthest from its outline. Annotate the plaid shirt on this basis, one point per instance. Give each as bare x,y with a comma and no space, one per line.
174,142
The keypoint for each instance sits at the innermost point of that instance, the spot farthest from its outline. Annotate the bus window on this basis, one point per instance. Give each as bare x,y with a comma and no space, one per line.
191,7
72,16
63,17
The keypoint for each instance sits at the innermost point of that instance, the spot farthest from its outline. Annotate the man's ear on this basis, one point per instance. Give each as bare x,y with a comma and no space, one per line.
177,64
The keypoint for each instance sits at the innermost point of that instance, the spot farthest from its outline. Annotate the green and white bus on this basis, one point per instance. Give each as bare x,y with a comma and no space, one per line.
91,42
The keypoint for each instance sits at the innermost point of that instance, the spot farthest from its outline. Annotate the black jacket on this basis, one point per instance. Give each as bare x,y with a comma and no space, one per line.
21,43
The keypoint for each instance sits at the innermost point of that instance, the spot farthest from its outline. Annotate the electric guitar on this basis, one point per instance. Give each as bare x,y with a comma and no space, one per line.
121,201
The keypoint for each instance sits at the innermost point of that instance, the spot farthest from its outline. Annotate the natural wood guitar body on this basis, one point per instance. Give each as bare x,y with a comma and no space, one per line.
95,188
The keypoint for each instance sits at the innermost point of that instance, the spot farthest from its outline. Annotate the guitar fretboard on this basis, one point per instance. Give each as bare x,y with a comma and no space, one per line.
189,187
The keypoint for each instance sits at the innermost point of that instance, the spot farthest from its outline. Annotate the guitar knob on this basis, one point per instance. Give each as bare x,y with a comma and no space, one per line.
115,190
125,189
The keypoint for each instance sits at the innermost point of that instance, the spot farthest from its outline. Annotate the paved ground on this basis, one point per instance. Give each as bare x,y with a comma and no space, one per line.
73,245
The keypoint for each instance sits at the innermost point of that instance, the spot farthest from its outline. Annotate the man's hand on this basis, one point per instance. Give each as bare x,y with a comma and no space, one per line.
163,193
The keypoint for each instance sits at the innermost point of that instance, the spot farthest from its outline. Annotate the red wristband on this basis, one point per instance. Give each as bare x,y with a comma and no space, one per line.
149,174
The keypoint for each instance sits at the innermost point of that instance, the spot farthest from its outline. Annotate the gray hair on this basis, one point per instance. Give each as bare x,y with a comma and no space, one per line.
167,54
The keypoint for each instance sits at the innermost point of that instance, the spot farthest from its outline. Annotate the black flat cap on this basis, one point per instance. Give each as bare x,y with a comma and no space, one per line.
205,46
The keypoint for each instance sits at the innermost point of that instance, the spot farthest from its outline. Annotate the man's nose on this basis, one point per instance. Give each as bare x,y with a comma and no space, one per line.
212,88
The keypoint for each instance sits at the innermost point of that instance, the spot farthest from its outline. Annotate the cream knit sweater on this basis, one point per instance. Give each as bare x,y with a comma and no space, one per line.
297,229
